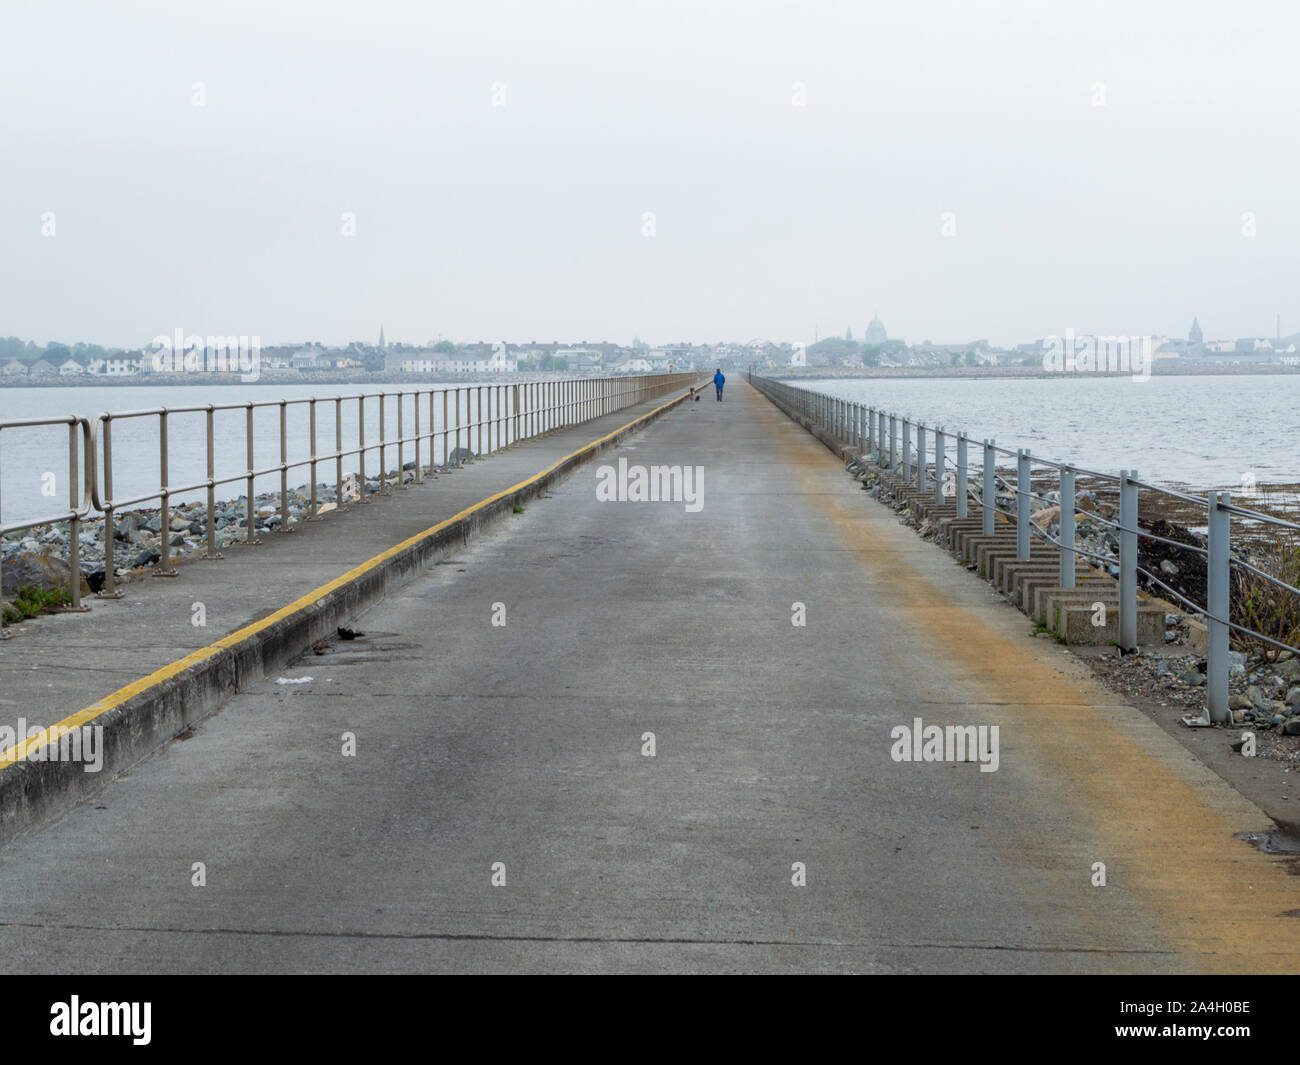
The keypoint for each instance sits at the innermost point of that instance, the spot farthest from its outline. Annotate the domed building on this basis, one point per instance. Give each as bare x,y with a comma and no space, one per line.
876,331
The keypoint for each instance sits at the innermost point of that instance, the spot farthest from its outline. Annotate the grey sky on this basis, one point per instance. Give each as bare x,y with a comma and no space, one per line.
525,221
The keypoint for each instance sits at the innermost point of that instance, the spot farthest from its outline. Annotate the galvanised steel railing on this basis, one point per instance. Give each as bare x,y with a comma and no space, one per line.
476,419
888,436
80,493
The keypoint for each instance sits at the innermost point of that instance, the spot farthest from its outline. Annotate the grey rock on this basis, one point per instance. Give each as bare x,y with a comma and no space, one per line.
39,570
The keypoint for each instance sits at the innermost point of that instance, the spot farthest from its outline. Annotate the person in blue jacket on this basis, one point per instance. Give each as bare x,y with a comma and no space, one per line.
719,380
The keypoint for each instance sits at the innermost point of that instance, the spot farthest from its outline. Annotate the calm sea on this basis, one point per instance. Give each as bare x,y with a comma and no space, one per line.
35,460
1199,432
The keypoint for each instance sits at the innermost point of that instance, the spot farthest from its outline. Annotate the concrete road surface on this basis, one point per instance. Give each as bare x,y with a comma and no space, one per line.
771,829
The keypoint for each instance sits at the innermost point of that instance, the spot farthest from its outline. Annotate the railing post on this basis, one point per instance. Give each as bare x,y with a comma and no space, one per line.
1128,551
1218,606
920,458
989,489
361,450
963,477
907,448
338,452
940,474
401,447
164,567
871,430
211,530
284,467
1022,504
1066,578
383,456
415,413
893,442
75,485
110,590
311,429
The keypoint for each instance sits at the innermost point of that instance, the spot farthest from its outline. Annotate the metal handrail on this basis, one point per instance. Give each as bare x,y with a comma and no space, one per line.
851,422
487,418
80,492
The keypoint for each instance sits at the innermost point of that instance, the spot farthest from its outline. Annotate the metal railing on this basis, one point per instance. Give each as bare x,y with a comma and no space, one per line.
888,436
80,493
436,427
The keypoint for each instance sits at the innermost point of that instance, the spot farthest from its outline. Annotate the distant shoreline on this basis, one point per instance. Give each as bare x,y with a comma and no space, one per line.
202,380
780,372
789,373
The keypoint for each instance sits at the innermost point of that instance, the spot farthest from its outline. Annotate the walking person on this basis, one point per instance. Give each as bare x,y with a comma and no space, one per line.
719,381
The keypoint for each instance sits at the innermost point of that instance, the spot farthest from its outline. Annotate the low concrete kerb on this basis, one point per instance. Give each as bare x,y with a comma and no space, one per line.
144,715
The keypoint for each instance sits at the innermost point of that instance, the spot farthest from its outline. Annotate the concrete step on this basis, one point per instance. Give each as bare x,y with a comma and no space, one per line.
1078,624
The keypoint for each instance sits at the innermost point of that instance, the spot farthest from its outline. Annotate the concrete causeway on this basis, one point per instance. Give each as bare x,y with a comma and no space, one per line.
503,812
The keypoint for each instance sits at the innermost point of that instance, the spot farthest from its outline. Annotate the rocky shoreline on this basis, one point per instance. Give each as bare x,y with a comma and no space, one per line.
38,557
1264,694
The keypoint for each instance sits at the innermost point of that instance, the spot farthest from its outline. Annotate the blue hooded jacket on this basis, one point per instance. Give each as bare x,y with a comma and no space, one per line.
718,379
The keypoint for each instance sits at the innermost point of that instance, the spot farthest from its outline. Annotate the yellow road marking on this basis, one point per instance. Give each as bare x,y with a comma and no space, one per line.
20,751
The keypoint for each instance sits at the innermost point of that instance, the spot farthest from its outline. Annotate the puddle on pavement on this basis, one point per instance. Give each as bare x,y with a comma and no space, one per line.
1283,842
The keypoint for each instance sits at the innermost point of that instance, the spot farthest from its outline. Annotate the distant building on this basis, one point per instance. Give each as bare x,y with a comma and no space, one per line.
307,360
122,364
876,332
1194,335
438,362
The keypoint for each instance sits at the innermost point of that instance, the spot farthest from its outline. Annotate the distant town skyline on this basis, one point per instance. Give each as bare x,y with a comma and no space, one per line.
861,333
311,168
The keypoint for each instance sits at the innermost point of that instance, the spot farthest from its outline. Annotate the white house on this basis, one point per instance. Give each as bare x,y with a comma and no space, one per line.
633,364
123,364
423,364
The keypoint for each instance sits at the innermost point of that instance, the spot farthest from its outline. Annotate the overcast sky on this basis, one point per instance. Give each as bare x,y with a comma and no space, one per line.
527,221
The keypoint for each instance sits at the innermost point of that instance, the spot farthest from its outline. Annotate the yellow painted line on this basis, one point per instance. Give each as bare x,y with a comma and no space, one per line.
21,750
